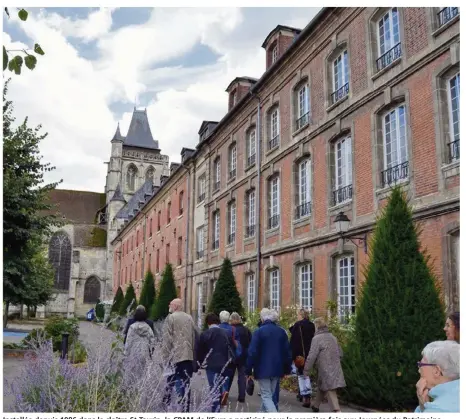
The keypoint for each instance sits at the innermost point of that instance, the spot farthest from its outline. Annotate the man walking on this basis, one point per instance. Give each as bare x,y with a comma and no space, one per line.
269,358
179,340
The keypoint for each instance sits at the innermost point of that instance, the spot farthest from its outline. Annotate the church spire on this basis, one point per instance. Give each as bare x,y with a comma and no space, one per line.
118,196
117,136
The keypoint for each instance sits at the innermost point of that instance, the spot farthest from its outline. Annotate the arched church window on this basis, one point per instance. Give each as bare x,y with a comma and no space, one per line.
60,259
91,290
131,177
150,174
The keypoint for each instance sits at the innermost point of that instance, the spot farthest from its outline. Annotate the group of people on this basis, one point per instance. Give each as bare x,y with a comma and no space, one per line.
227,347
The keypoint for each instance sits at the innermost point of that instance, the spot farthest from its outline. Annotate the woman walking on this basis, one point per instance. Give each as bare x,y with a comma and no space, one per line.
325,353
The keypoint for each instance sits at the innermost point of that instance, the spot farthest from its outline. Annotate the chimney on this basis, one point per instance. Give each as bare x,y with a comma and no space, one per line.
277,42
238,89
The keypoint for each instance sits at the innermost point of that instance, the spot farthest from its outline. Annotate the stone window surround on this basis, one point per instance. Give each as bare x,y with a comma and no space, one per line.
303,155
230,203
266,289
449,231
275,172
301,78
338,47
268,123
232,146
252,127
296,284
246,212
251,269
433,22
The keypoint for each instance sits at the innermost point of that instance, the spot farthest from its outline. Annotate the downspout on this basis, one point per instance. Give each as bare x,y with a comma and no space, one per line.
187,214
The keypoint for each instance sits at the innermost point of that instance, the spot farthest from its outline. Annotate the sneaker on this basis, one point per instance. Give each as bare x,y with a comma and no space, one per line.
224,399
314,409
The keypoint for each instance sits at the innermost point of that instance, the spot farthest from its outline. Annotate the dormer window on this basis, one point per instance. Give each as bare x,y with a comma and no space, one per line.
275,53
234,98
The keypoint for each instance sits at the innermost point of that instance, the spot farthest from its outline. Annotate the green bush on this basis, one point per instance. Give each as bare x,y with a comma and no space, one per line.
147,297
55,326
78,353
153,311
167,293
126,305
99,311
399,312
119,297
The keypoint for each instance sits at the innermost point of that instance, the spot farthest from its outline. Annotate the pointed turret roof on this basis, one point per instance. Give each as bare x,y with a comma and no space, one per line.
117,136
139,133
118,196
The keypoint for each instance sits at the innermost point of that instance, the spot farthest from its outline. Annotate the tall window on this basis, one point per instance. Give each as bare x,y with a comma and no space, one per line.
232,162
302,106
395,147
150,227
159,220
180,202
346,286
447,14
274,202
303,208
167,253
60,259
343,171
131,177
169,213
275,53
202,188
217,174
180,251
200,242
231,222
234,98
199,304
91,290
274,289
454,114
251,287
251,147
251,213
216,230
305,286
150,174
157,261
388,39
274,120
340,77
149,263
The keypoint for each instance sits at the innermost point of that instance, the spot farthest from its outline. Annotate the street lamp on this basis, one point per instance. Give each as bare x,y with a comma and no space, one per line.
342,225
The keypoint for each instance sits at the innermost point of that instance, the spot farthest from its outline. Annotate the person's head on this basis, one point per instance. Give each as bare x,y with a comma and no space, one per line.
175,305
275,316
452,326
303,314
320,323
235,318
224,316
266,314
440,362
212,319
140,314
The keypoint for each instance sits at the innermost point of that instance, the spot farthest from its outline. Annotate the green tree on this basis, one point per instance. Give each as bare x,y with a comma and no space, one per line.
99,310
226,295
15,62
129,296
117,300
147,297
167,293
399,312
26,211
153,311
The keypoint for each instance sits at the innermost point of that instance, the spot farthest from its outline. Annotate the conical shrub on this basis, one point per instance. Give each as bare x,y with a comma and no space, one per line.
167,293
129,296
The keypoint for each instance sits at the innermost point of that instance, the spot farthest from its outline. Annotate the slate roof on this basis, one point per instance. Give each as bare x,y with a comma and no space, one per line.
140,196
296,31
118,136
139,133
77,207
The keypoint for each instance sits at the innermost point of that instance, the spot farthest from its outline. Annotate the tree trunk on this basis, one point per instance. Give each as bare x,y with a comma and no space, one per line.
27,312
5,314
21,307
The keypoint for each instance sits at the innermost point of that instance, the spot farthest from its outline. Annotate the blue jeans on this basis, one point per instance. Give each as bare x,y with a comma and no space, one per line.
180,380
215,380
276,395
268,388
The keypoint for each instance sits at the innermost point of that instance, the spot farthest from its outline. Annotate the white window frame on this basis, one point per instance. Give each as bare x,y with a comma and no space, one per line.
217,227
200,297
200,239
304,182
346,285
251,207
251,148
398,139
343,163
389,21
202,186
251,291
340,71
456,79
234,98
274,205
232,219
232,159
274,277
303,100
217,171
305,286
275,53
274,123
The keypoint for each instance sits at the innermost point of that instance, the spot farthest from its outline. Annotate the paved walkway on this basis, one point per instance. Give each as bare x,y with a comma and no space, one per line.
91,333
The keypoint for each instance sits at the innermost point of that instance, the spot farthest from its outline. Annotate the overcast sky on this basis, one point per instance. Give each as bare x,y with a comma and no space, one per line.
175,62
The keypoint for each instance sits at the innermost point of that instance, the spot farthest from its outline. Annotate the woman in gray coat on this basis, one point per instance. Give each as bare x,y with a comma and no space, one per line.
325,354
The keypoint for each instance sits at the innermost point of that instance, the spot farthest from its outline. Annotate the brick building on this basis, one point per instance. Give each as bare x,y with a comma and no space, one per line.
360,99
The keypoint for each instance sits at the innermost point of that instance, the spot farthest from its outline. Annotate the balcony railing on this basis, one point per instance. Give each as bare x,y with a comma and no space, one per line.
454,150
232,174
251,160
216,244
302,121
216,186
303,210
273,143
389,57
447,14
395,173
342,194
201,197
231,238
199,254
274,220
250,230
340,93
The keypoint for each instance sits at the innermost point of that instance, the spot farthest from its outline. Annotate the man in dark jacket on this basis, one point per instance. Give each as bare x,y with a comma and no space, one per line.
302,333
215,354
269,357
133,320
244,337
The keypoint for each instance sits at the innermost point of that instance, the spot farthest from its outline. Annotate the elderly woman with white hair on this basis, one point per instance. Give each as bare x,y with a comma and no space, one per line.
438,389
